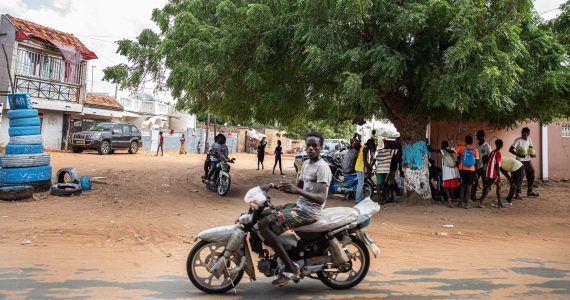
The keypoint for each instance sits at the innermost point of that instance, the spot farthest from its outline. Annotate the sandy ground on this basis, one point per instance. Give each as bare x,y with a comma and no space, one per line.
129,238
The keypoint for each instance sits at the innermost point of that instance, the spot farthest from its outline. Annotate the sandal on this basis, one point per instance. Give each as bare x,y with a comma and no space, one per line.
286,276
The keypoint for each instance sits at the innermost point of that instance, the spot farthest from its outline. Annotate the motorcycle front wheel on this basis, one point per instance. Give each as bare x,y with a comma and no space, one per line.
360,263
224,185
201,259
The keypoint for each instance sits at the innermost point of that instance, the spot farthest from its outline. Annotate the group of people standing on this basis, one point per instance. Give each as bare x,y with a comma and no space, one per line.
465,165
277,152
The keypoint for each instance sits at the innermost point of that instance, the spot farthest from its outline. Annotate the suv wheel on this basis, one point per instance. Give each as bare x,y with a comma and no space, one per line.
134,147
105,148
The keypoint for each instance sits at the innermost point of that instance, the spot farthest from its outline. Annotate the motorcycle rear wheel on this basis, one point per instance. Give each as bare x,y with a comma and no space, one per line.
197,259
361,255
224,185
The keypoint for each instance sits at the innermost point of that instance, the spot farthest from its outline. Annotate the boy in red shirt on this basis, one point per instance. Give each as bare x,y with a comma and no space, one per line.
468,156
492,174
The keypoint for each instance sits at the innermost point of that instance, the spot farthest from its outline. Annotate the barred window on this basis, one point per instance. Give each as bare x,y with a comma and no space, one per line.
41,65
566,130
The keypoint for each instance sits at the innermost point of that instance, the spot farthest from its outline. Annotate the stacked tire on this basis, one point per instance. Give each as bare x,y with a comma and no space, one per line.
24,162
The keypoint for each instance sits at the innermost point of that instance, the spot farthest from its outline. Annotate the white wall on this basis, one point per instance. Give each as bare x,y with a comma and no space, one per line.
52,125
4,138
180,121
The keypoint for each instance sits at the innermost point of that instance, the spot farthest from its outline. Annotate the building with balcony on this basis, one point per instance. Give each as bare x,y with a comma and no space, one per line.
148,112
51,66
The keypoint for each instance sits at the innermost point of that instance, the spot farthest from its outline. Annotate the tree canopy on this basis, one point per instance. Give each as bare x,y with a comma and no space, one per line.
409,61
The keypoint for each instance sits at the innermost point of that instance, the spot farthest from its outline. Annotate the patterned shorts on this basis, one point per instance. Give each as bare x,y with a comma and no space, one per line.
288,216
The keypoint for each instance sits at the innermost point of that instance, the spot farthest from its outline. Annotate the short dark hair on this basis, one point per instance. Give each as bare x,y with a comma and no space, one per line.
481,133
160,132
469,139
499,143
526,129
317,135
278,141
444,144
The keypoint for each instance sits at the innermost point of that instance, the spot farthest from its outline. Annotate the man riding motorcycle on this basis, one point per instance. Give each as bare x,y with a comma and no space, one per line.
312,186
218,151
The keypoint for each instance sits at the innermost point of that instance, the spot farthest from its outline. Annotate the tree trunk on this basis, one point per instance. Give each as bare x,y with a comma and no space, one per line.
412,128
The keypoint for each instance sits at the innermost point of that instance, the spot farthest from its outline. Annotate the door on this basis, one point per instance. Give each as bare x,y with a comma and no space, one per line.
127,135
117,137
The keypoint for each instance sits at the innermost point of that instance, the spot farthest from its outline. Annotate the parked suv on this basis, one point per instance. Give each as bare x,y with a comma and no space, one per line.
108,137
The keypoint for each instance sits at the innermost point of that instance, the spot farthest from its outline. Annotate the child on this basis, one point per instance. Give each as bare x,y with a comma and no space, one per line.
450,172
513,166
468,156
492,175
160,145
278,152
261,152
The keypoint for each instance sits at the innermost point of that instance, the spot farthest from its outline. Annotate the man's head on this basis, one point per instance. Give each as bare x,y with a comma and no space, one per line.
374,132
160,132
499,144
278,142
480,135
469,140
444,144
221,139
525,132
369,143
183,135
314,143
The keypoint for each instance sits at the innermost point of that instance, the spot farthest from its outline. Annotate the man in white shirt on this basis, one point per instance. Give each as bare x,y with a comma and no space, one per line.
523,149
484,151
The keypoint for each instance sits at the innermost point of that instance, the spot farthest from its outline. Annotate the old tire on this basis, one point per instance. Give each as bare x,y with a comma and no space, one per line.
24,149
23,122
86,183
76,149
65,189
25,175
71,172
21,131
22,113
38,186
105,148
27,140
19,192
25,160
134,148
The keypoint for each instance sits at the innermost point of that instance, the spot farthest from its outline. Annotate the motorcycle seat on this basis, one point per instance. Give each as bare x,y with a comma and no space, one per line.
331,218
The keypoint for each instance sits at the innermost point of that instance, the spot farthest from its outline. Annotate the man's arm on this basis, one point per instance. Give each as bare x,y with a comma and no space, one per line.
512,151
319,196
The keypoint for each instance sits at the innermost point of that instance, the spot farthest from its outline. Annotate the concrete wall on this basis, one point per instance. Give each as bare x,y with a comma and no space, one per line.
193,136
8,40
558,152
455,132
52,126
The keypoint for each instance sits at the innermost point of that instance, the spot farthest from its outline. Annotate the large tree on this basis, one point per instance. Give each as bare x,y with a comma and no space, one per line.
409,61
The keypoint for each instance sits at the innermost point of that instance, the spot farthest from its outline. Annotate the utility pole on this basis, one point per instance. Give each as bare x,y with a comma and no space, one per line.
116,90
215,127
207,131
92,68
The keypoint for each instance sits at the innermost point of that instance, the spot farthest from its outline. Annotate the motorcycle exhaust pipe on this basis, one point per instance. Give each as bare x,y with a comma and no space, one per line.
338,255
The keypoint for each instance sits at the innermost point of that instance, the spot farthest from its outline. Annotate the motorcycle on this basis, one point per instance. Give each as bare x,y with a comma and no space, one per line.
221,181
346,184
334,250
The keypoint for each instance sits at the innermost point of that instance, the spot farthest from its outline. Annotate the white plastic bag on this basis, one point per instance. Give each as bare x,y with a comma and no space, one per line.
331,218
256,197
366,209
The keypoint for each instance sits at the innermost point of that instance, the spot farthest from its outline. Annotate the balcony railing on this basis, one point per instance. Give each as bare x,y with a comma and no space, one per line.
48,90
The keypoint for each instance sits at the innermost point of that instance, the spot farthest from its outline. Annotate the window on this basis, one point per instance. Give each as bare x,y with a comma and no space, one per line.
51,68
147,105
118,128
126,102
136,104
126,129
162,107
134,129
45,66
565,130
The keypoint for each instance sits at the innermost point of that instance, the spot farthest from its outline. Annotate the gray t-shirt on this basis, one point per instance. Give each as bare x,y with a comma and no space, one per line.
484,150
311,174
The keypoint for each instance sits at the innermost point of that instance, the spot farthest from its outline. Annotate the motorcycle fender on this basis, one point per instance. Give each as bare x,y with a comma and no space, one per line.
220,235
369,243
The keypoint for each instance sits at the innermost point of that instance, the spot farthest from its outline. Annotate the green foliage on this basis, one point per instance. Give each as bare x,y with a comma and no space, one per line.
342,130
285,62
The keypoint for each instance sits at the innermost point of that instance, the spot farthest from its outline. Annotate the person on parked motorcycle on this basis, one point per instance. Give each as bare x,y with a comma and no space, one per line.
207,160
312,188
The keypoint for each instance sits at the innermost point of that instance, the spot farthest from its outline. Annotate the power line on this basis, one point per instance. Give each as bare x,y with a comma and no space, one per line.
545,12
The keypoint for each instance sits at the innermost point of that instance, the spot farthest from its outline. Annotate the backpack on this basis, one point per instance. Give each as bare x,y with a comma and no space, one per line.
468,157
448,160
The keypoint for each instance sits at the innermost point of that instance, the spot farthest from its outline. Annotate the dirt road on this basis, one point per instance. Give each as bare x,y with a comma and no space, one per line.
129,238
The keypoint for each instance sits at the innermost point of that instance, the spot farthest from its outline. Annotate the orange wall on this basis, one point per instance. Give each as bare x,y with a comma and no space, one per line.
455,132
558,152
